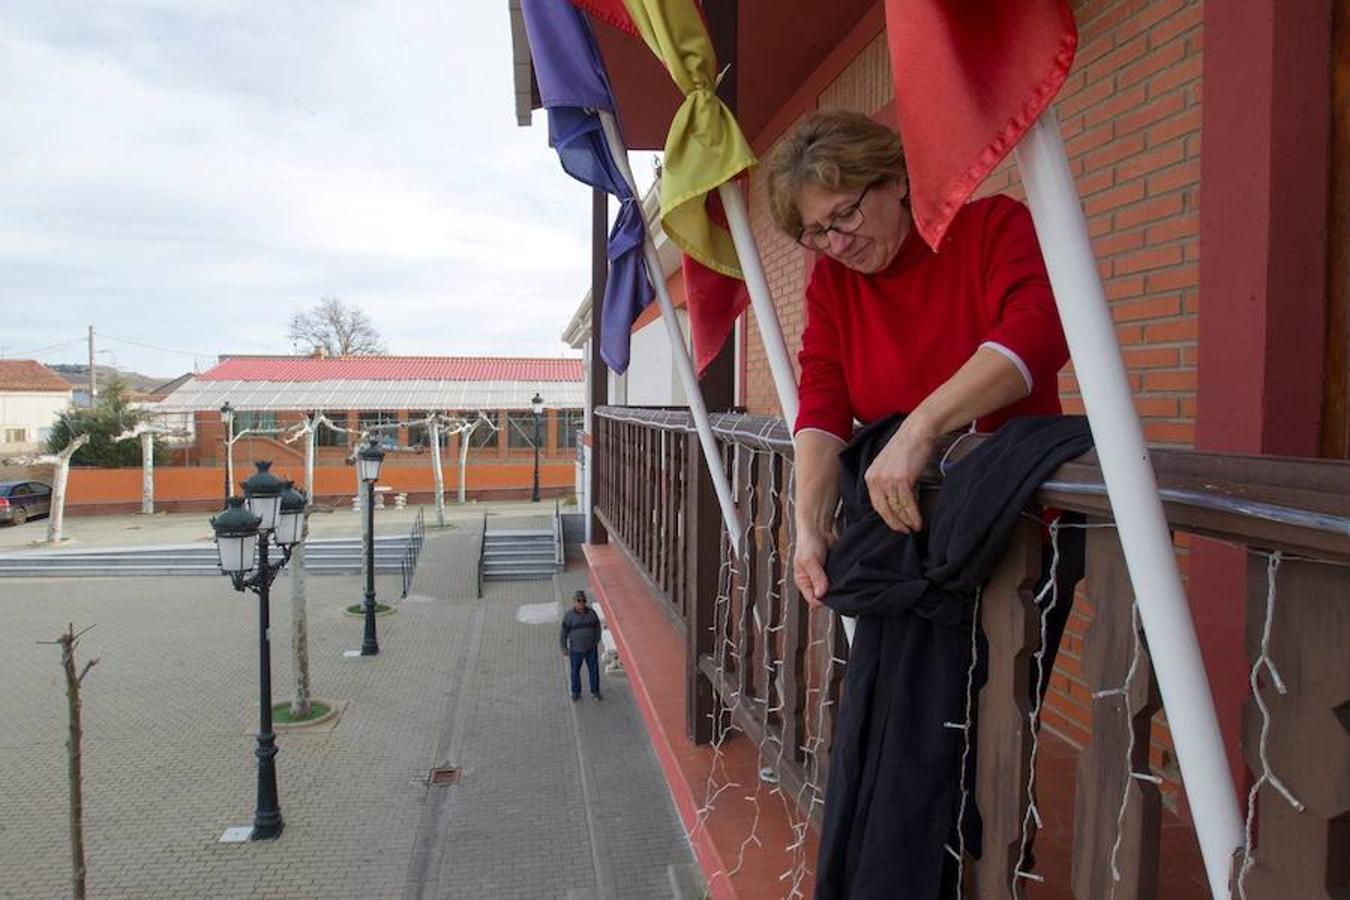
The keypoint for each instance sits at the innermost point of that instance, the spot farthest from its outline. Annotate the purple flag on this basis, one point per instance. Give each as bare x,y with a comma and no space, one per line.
574,87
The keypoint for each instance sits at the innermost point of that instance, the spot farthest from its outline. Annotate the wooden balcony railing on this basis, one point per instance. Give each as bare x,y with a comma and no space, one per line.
762,663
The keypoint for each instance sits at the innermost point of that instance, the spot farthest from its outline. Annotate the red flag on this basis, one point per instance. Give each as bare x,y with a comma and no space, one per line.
971,76
715,301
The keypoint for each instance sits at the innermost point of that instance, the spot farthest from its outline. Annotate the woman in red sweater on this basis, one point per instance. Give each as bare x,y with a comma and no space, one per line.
968,334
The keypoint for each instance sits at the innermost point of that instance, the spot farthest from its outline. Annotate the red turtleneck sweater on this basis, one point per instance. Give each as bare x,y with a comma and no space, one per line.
879,344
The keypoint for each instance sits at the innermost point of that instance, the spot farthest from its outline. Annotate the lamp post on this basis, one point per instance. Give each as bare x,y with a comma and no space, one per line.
368,461
227,424
536,404
275,513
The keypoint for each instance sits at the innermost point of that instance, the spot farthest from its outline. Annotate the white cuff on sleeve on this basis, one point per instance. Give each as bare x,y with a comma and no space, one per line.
820,431
1014,359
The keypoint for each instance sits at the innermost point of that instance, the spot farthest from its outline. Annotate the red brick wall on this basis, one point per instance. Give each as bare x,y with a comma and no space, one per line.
1130,115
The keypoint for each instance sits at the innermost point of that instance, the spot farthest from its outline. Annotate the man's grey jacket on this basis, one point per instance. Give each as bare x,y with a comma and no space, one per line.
580,630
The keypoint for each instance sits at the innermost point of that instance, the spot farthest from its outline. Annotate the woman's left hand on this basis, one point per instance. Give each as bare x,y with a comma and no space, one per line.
892,478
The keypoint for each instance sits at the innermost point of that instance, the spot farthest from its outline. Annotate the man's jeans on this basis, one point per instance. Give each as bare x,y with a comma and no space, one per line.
592,659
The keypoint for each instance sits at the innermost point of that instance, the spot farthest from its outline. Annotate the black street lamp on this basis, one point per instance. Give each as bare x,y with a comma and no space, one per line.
536,404
275,513
368,460
227,429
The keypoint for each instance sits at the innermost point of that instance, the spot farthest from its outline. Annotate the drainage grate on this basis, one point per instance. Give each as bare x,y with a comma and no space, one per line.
443,776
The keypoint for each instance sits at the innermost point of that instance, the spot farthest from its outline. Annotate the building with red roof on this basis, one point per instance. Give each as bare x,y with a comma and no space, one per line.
31,398
390,396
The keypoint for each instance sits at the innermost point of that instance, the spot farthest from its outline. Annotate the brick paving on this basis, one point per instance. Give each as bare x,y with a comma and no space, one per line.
555,800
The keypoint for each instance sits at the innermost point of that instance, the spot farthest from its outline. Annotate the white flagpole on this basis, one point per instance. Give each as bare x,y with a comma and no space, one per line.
683,364
1130,484
766,315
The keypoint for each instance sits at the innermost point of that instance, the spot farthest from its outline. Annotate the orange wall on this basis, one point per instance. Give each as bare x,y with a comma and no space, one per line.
88,487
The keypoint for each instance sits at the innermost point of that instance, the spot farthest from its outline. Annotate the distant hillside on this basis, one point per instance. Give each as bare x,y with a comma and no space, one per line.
78,376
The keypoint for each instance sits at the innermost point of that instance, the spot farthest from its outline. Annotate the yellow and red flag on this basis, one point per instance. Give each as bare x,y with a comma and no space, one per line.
704,149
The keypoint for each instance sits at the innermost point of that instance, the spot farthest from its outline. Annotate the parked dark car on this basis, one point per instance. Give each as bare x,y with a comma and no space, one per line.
22,500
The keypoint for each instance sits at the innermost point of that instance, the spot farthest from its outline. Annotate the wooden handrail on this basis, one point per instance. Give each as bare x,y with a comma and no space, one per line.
766,665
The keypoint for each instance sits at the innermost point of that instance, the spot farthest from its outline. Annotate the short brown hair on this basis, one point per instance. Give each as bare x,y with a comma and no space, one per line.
838,150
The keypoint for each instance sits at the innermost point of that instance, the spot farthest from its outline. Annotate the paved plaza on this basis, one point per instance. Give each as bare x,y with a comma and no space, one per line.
556,800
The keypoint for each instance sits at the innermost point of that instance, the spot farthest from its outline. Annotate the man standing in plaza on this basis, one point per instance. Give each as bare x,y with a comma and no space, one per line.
580,639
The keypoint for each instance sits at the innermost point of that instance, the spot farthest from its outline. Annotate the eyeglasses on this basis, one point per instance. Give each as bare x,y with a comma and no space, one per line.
847,221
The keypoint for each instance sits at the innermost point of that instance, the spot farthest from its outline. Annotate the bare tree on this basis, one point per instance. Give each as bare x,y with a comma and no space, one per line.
74,754
336,328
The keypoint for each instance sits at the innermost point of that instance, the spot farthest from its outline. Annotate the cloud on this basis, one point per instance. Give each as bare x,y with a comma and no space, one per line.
186,175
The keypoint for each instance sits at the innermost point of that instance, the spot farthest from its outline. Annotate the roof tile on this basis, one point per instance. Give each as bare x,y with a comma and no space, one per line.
394,368
30,375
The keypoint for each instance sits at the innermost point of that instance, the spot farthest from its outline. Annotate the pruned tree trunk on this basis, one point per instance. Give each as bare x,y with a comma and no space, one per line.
147,472
56,518
440,476
300,705
309,461
464,440
75,756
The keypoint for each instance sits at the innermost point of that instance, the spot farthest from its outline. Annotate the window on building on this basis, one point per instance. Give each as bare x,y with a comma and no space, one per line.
571,423
520,430
419,435
253,420
371,419
327,437
15,435
483,437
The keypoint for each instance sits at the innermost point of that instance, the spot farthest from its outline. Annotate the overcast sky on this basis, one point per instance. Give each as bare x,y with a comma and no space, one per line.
188,173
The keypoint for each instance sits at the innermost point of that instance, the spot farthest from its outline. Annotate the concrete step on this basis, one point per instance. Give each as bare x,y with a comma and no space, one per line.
328,556
522,554
513,551
491,533
531,575
132,571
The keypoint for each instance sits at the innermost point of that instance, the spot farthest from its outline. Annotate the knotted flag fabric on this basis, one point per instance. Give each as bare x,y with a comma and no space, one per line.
971,77
704,149
574,87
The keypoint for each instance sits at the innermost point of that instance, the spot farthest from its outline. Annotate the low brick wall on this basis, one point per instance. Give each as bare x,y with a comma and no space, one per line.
183,488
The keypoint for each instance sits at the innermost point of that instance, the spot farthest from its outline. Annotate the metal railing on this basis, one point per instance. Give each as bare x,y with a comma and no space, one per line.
558,551
482,542
413,551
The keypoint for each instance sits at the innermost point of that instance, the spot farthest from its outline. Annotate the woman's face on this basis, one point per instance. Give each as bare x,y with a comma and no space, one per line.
828,217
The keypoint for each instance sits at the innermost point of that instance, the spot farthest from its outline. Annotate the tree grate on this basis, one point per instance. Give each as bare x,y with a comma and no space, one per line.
443,776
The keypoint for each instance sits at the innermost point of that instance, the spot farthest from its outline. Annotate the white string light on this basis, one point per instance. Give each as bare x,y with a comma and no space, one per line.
1267,776
966,727
1033,813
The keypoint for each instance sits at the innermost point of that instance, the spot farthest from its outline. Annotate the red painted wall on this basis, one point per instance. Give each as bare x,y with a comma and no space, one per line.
1267,135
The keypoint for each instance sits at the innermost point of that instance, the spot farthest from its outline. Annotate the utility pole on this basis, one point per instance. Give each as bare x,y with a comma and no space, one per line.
93,378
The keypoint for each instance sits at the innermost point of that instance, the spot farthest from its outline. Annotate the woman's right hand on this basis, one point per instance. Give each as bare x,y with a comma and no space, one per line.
808,564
